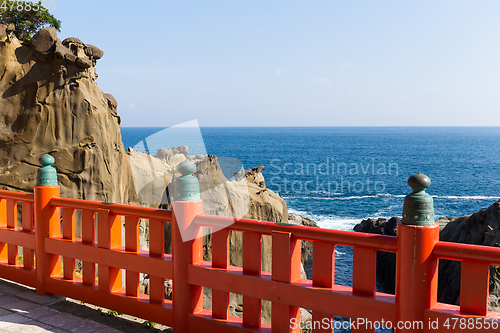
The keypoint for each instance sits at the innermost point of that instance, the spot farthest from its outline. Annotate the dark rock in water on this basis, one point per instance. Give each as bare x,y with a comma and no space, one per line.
379,226
386,261
480,228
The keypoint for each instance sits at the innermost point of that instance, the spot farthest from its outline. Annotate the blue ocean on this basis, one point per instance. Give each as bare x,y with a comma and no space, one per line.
338,176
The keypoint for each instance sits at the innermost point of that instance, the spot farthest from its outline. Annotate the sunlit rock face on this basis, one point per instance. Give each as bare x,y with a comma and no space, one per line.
50,103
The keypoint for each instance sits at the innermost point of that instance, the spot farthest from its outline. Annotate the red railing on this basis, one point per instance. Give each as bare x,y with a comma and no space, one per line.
56,247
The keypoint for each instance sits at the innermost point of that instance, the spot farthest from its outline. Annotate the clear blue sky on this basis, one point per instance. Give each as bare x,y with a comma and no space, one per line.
295,63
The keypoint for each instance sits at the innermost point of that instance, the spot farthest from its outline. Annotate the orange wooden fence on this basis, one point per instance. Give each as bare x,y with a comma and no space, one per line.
50,249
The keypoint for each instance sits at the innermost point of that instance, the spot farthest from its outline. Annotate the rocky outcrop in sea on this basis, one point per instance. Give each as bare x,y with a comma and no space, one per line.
480,228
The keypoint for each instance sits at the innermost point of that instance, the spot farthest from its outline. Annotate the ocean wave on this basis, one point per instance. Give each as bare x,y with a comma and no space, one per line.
394,210
470,197
354,197
378,195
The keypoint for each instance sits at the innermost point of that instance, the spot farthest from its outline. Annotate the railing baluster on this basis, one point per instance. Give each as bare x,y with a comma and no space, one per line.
109,235
132,245
88,238
28,254
11,223
220,259
188,298
416,266
3,224
363,271
285,268
323,277
474,288
364,265
47,223
156,250
252,264
68,233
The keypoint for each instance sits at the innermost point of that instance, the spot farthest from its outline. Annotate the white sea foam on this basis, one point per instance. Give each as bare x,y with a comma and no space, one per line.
339,253
354,197
470,197
328,221
378,195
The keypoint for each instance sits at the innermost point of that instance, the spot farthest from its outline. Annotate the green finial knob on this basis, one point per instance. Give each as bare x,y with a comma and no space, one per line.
418,207
187,186
46,175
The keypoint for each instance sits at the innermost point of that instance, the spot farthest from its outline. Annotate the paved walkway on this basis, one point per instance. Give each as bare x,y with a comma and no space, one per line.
22,310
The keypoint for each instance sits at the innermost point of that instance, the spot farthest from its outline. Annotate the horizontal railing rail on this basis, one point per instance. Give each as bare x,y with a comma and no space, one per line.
113,208
467,252
17,196
338,237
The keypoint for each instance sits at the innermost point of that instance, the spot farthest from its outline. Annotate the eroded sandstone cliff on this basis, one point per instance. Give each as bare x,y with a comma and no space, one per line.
51,104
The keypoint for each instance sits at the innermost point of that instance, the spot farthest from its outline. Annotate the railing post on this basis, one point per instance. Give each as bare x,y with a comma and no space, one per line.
417,268
47,222
187,246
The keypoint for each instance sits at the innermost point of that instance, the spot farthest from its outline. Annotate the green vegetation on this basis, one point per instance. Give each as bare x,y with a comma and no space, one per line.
149,324
27,17
113,313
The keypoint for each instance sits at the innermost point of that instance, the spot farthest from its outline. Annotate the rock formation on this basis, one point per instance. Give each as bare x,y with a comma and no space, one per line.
51,104
480,228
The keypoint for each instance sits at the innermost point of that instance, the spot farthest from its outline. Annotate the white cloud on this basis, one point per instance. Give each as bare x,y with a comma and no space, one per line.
279,72
129,106
344,66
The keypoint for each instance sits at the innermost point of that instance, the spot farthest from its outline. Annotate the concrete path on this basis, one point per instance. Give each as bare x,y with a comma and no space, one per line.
22,310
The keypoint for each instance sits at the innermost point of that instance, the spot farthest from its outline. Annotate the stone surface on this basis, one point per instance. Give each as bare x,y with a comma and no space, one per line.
112,103
43,41
59,319
480,228
39,312
42,300
29,327
51,104
83,326
11,319
93,52
19,306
